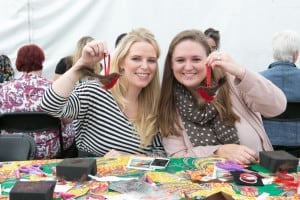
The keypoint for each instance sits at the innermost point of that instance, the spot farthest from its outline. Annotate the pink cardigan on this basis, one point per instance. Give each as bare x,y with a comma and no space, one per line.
252,97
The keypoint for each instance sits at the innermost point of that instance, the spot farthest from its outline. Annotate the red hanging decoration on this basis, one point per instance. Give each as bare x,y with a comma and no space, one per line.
106,65
113,79
203,92
108,80
112,82
208,75
209,91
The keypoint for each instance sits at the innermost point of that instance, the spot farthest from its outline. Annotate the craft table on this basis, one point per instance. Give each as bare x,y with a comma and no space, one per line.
170,183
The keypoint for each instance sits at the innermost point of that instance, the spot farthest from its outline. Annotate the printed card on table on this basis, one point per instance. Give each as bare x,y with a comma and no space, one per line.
142,163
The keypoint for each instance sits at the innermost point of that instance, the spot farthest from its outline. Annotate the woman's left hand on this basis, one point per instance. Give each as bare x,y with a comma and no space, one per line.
223,60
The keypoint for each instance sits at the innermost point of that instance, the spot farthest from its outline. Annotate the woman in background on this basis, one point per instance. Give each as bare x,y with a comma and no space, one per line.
213,38
6,70
24,94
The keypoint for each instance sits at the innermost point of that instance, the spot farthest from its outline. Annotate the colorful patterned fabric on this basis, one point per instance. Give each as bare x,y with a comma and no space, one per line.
24,94
174,182
6,71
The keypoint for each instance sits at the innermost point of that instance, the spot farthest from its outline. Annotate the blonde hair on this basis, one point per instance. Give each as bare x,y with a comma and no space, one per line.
78,51
145,122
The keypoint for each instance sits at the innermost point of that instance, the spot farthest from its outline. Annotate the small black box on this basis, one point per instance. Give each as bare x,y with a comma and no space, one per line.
32,190
278,160
76,169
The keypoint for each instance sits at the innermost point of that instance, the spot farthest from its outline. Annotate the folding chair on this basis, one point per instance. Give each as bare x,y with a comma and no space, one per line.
16,147
286,120
31,122
291,113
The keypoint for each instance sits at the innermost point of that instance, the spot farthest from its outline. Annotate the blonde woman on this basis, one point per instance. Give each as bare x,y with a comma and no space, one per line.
122,119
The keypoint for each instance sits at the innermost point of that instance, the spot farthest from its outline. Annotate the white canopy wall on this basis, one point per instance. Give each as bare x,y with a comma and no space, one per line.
246,26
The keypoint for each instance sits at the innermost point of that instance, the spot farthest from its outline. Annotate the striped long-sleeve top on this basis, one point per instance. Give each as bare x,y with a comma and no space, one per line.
99,123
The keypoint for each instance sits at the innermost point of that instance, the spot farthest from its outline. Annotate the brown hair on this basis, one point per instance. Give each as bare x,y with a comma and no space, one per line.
213,34
167,111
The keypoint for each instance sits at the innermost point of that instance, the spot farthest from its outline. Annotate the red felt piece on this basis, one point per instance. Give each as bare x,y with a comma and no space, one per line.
111,83
204,95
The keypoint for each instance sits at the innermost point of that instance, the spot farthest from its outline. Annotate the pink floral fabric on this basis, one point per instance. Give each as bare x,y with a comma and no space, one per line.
24,94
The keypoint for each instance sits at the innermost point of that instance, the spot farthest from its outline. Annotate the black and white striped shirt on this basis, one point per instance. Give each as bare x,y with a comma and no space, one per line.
99,123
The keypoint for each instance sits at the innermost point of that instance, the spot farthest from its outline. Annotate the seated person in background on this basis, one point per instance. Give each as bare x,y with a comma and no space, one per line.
119,38
62,66
213,38
120,120
25,93
229,126
6,70
66,62
284,73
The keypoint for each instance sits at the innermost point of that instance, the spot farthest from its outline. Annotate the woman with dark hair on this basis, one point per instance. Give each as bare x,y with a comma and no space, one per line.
213,38
119,38
24,95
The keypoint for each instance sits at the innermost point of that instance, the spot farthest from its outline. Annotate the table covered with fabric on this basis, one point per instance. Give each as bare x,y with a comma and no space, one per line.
178,181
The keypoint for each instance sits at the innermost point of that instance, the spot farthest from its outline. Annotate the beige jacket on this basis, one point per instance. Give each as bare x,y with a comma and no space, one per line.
252,97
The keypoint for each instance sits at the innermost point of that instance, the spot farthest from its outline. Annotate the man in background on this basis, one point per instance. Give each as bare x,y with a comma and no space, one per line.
284,73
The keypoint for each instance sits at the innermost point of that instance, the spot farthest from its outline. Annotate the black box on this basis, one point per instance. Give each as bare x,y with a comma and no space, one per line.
32,190
76,169
278,160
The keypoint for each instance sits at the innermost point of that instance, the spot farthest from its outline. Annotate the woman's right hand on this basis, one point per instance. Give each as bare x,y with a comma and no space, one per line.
239,153
93,52
225,61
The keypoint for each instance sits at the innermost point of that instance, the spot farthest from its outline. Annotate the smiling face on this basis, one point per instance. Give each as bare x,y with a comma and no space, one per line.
140,65
188,63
